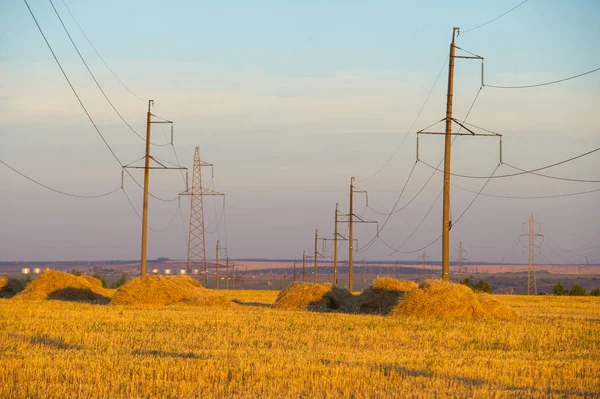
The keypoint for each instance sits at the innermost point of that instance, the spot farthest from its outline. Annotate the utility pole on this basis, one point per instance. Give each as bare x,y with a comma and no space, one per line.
146,188
351,216
227,273
196,242
303,265
217,267
446,222
147,167
316,254
335,247
531,278
294,270
336,237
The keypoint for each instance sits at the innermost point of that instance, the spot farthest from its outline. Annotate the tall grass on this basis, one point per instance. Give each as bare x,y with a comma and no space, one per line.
53,349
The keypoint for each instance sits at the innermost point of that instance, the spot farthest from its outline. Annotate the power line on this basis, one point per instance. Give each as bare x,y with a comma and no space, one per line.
441,160
545,83
395,250
58,191
554,177
411,126
520,173
529,197
140,217
99,56
95,80
393,211
85,109
71,85
494,19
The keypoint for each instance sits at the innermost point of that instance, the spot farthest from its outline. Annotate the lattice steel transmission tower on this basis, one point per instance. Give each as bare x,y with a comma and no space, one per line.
461,256
531,279
196,242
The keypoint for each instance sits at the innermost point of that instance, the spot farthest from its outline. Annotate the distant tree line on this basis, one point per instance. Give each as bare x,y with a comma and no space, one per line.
576,290
481,286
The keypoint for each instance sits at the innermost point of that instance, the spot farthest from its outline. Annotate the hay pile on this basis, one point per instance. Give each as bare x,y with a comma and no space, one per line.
53,284
383,295
10,287
315,297
162,291
92,280
441,299
495,308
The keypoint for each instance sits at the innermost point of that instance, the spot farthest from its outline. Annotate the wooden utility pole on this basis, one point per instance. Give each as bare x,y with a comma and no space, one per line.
351,216
294,270
147,167
446,222
303,265
316,280
146,188
350,236
227,273
335,248
217,267
447,152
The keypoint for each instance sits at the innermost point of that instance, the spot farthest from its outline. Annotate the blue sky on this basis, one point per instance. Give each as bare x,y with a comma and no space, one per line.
289,100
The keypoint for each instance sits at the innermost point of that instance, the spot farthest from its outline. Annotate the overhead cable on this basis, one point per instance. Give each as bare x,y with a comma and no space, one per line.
543,84
99,56
520,173
410,128
96,81
58,191
494,19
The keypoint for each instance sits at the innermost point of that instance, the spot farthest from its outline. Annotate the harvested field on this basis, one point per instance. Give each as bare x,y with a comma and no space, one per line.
53,284
441,299
315,297
162,291
383,295
55,349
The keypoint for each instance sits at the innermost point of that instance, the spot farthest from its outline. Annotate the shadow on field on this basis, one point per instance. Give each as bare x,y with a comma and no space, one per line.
71,294
10,287
255,304
159,353
55,343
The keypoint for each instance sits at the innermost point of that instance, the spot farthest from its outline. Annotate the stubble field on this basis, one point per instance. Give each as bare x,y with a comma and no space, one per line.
54,349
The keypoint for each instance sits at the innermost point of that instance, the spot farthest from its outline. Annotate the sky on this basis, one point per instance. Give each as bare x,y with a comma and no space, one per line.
289,100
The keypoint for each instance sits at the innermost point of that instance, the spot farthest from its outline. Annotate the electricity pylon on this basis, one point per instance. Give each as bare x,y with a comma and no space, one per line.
423,258
196,242
531,279
461,257
446,222
351,216
147,158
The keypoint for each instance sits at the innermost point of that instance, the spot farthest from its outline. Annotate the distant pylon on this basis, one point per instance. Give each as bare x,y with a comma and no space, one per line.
531,279
196,243
461,257
424,258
